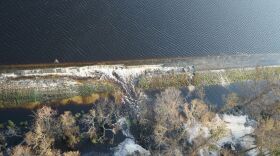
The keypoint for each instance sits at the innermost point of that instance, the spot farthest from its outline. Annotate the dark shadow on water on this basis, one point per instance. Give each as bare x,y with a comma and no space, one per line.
216,94
16,115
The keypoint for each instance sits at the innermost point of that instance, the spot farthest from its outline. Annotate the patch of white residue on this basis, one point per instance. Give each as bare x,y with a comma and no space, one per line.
129,147
237,125
38,83
191,88
237,130
91,71
196,129
224,80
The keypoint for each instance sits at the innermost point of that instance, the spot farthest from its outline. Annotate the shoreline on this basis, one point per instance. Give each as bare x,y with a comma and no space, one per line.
35,86
201,62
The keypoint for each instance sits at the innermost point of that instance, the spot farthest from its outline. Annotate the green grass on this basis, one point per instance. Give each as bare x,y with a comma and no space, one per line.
17,97
27,97
236,75
206,78
163,81
88,89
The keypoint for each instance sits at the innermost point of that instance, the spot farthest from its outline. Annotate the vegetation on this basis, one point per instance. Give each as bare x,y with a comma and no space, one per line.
86,93
164,81
264,108
2,143
165,128
48,131
101,121
168,124
267,137
54,134
235,75
18,97
205,78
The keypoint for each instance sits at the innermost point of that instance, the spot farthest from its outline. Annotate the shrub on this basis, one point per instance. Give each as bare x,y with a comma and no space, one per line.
267,136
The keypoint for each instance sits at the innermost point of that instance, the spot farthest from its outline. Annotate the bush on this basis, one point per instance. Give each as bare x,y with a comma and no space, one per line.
267,136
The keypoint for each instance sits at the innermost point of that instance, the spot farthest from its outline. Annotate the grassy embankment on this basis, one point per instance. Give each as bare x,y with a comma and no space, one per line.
91,91
163,81
86,93
205,78
236,75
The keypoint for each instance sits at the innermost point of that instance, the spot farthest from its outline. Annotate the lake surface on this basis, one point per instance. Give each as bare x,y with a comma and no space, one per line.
39,31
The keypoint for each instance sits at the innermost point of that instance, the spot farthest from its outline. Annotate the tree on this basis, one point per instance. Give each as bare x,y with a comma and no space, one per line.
46,130
171,117
101,120
22,151
71,132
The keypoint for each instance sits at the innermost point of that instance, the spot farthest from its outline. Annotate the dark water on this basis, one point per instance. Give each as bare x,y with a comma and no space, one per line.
18,115
216,94
38,31
25,115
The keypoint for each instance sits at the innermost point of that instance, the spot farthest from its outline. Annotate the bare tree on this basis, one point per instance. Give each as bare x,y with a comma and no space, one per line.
22,151
45,131
100,121
71,132
171,115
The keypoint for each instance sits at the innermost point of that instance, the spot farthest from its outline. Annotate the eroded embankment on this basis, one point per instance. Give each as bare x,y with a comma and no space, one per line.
86,85
81,85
